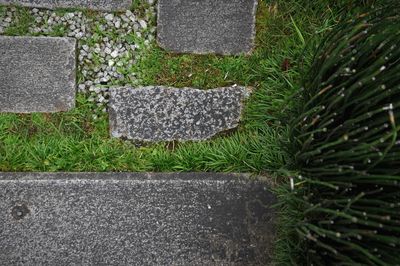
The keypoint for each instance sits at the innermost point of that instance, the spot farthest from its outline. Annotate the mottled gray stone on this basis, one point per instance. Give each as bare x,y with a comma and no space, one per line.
166,114
134,219
107,5
37,74
207,26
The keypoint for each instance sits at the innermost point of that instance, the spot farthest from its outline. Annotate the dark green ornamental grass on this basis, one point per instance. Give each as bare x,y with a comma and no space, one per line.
347,145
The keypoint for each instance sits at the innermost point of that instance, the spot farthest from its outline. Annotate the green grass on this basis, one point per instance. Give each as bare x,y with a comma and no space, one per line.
73,141
21,23
2,11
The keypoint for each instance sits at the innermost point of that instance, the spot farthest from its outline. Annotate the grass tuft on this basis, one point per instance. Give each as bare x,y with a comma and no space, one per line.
22,21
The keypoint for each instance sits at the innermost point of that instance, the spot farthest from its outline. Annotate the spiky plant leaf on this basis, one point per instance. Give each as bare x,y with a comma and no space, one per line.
348,145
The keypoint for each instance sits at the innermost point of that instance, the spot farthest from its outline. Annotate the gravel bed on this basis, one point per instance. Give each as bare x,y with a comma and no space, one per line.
109,44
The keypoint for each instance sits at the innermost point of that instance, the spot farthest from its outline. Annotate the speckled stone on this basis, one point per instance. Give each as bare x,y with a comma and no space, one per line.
37,74
166,114
134,219
207,26
106,5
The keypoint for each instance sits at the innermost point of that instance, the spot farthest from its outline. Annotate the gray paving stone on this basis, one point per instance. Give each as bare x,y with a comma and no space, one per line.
166,114
37,74
207,26
106,5
134,219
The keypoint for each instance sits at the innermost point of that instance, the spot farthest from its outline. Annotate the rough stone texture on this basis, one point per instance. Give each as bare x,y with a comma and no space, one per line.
37,74
107,5
207,26
134,219
166,114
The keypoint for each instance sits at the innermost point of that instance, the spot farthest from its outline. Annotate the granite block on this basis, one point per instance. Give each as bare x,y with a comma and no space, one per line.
207,26
135,219
37,74
159,113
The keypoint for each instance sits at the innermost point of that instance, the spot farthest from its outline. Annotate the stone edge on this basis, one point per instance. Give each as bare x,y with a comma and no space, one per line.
132,176
112,114
73,59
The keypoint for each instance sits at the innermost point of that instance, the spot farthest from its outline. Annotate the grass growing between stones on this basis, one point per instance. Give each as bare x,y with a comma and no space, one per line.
78,141
21,23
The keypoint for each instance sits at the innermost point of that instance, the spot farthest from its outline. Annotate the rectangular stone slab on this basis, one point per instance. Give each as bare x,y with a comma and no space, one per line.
166,114
207,26
37,74
135,219
106,5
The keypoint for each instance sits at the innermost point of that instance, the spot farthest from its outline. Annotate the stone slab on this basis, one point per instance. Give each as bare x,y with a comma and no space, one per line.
105,5
166,114
37,74
207,26
135,219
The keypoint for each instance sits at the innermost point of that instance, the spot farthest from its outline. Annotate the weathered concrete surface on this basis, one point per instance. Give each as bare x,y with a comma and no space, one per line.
134,219
106,5
37,74
166,114
207,26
